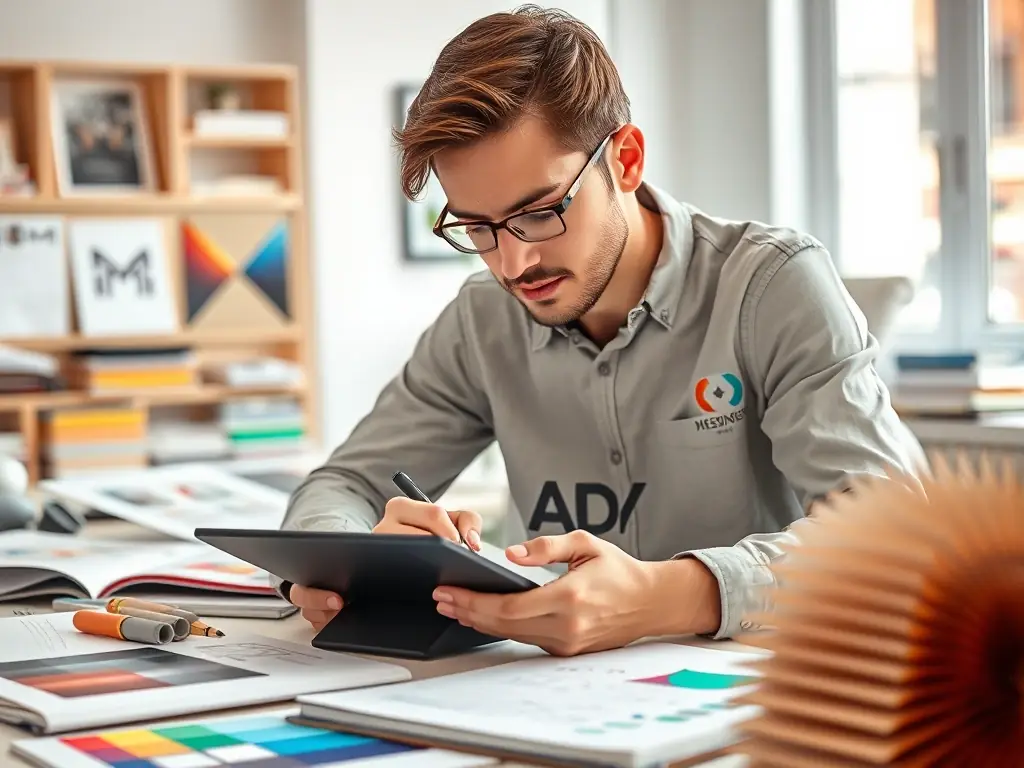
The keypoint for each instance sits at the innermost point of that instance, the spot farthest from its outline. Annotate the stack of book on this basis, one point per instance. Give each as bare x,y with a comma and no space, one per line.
264,426
87,439
114,371
956,385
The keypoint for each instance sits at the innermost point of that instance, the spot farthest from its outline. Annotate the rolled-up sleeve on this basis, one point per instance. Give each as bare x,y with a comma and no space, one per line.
823,406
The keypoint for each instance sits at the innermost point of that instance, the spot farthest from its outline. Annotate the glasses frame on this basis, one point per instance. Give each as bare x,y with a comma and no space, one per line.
558,209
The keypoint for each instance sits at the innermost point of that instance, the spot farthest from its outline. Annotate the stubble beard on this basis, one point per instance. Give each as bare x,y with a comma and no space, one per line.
600,270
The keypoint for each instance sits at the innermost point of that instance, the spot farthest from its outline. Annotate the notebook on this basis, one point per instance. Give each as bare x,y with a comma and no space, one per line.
266,739
638,706
34,563
55,679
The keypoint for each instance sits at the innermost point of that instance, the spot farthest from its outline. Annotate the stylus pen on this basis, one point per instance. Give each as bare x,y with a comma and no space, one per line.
410,489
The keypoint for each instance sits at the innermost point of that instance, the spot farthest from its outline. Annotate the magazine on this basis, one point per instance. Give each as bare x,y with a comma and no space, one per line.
34,563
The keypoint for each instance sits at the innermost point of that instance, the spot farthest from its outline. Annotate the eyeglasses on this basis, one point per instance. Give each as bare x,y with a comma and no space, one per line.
529,226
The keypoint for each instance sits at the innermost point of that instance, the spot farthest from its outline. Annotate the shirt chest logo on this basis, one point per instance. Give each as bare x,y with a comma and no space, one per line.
720,393
720,397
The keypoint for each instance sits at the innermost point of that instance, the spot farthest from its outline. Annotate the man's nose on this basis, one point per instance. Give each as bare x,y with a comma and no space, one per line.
516,256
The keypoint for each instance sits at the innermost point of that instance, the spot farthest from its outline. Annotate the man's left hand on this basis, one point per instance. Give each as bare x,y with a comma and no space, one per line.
607,599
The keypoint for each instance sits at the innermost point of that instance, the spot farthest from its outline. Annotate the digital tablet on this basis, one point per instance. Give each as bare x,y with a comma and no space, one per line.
386,581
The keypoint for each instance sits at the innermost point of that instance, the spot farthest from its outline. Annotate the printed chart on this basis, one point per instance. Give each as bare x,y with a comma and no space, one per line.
132,670
265,740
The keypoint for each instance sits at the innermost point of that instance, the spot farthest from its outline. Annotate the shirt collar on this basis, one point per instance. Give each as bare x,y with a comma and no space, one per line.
665,288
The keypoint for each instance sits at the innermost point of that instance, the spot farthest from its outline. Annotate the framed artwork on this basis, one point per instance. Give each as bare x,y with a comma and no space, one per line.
122,282
418,216
101,137
236,271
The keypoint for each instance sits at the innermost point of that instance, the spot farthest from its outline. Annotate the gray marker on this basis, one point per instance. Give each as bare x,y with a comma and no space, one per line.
180,625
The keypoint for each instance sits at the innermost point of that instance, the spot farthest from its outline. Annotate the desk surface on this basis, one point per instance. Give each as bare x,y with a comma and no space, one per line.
295,629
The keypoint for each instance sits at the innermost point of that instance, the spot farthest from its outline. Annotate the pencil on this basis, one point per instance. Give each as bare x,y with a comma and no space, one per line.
180,625
115,603
201,628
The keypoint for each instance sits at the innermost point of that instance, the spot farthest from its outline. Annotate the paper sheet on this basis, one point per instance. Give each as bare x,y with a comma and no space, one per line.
71,680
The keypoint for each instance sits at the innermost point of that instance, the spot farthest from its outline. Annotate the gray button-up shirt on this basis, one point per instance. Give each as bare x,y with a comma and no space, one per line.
739,390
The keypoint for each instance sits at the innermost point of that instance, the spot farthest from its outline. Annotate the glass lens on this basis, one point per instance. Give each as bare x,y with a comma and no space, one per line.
888,162
470,237
536,226
1006,161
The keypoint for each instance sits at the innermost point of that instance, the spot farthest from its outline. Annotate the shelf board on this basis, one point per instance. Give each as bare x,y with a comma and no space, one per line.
204,339
238,142
201,395
119,205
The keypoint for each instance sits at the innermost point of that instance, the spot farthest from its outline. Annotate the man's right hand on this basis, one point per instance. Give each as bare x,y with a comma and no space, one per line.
401,515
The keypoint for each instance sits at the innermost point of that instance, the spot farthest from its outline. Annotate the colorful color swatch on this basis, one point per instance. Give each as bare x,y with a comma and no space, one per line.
118,671
267,741
698,681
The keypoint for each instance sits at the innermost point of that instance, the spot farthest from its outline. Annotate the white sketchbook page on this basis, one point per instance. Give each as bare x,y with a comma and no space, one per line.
34,297
175,500
206,673
121,276
592,702
50,751
93,563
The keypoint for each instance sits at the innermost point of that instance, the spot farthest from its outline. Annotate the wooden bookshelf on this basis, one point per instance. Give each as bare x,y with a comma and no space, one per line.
171,95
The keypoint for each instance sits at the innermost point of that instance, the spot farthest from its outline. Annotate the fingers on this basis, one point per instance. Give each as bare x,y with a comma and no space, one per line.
431,518
566,548
319,619
318,605
315,599
470,524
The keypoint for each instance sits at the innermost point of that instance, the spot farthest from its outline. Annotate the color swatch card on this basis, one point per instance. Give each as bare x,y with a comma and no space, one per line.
639,705
55,679
176,499
265,740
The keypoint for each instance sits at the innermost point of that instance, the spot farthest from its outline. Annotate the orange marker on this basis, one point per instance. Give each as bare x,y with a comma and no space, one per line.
122,627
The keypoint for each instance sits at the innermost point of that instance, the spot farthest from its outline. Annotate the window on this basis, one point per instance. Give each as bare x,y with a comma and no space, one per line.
929,161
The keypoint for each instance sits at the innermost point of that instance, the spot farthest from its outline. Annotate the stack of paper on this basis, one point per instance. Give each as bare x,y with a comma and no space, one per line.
635,706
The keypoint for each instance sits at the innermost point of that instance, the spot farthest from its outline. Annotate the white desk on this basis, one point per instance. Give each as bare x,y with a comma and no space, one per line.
295,629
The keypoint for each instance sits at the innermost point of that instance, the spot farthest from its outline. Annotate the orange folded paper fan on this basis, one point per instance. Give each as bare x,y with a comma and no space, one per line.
897,630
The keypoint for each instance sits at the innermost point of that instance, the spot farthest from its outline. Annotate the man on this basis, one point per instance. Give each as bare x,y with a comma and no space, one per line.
670,391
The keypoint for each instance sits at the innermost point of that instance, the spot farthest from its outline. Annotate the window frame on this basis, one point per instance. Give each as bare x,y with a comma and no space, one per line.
965,260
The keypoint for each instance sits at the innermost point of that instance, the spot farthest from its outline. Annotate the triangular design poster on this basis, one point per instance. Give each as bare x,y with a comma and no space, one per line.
236,271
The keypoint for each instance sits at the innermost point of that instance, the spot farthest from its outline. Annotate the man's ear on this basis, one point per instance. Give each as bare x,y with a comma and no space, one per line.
626,157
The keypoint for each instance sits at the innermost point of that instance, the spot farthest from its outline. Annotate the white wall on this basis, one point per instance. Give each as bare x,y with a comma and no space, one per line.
187,31
371,305
712,85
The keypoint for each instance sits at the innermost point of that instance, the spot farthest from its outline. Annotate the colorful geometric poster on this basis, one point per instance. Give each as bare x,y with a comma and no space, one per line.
236,271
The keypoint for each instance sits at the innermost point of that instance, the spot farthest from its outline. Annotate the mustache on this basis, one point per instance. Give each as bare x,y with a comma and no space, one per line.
535,275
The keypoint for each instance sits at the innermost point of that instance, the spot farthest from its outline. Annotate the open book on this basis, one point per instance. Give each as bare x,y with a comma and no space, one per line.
35,563
54,678
636,706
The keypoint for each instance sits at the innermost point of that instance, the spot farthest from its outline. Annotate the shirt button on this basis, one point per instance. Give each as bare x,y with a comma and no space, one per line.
604,369
575,338
616,457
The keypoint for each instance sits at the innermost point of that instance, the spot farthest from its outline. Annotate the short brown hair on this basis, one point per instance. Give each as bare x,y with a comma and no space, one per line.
503,67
